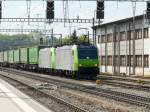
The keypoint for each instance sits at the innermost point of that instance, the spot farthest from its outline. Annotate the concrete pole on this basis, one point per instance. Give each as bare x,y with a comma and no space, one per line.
143,25
134,37
93,32
52,38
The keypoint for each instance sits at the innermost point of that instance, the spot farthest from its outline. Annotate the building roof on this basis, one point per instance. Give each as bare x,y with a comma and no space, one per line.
118,21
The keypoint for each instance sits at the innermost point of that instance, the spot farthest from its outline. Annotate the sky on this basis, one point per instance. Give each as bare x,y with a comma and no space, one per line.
113,11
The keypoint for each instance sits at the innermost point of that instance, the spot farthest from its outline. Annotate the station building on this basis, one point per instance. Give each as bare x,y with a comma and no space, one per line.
123,50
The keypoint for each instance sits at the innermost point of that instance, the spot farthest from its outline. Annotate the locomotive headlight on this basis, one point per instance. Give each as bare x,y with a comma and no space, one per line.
96,65
80,65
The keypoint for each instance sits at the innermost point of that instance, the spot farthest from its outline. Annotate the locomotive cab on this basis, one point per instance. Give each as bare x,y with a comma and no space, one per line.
88,64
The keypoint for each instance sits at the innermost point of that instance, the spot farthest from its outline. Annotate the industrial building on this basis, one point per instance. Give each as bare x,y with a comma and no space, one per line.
124,46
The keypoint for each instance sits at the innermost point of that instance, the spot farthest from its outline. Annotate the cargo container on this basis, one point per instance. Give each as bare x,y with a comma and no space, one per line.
33,55
1,57
64,58
46,58
24,55
17,56
5,56
11,56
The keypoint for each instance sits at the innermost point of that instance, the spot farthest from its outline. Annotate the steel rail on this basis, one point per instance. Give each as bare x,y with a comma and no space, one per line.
59,100
125,82
119,96
127,85
127,79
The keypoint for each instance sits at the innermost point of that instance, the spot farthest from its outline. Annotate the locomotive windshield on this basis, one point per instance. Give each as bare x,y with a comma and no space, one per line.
87,53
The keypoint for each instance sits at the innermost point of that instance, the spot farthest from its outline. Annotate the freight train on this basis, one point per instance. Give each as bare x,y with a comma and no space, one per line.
78,61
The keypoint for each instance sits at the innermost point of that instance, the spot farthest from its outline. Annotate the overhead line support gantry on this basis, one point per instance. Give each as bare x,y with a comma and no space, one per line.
85,0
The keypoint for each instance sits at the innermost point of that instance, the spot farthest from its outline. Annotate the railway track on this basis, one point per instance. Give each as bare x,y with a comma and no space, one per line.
126,83
72,107
121,78
115,95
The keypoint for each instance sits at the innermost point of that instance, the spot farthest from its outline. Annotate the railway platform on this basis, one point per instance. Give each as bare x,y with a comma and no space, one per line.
13,100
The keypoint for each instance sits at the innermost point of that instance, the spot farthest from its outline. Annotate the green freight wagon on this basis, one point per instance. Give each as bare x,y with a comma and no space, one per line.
17,56
24,55
33,57
6,56
11,56
1,57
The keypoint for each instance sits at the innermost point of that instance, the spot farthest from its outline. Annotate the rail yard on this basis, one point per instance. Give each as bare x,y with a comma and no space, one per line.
74,56
46,83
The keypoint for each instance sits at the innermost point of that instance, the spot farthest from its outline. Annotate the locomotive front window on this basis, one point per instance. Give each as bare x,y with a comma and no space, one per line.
87,53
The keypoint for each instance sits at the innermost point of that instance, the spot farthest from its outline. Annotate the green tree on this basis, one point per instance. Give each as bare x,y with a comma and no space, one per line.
74,39
83,39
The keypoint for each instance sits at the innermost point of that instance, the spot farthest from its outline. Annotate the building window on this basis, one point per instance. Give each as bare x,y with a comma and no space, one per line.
146,60
109,37
122,36
103,39
138,34
139,60
130,60
116,60
130,35
122,61
109,62
146,33
103,60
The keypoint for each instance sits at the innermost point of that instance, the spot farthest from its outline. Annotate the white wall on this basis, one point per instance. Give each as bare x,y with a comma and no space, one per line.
124,49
